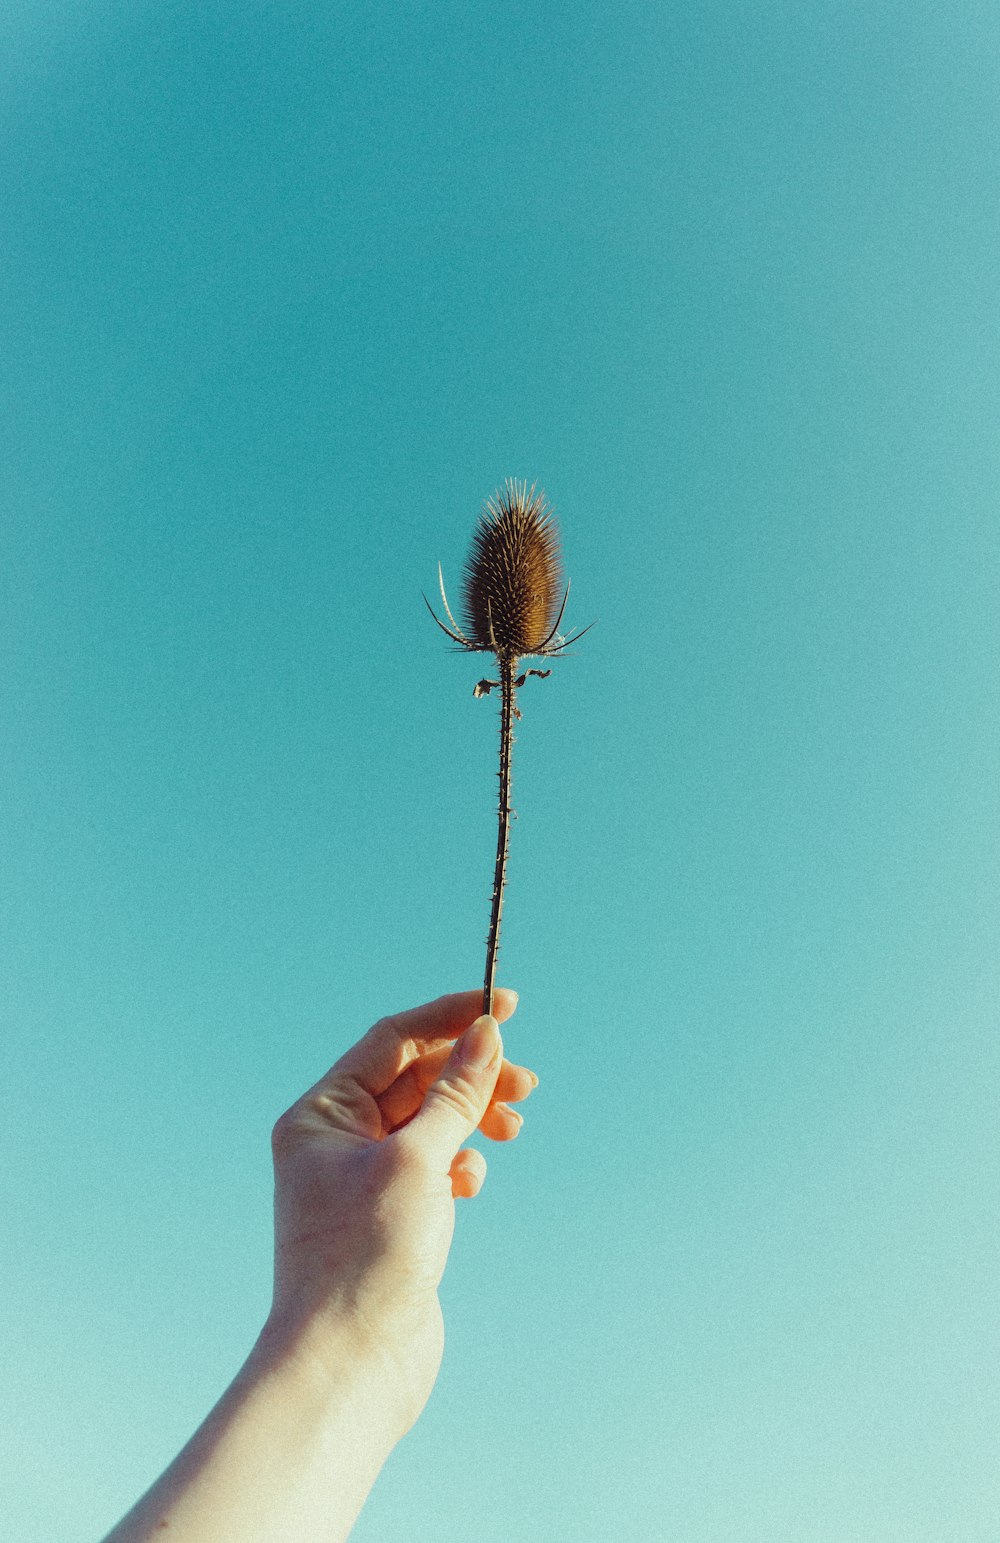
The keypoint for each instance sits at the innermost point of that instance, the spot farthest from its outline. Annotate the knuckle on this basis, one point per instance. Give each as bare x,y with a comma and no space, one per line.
284,1133
387,1025
458,1097
393,1026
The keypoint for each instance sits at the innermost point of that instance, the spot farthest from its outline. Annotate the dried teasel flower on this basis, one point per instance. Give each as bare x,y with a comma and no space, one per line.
513,575
512,606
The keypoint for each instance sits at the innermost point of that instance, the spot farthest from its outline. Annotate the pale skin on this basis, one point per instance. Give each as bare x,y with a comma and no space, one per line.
368,1164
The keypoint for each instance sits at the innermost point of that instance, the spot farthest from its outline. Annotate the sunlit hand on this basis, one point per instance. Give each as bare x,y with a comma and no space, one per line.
367,1166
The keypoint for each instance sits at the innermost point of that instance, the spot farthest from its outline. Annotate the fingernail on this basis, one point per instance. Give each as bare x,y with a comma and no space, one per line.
534,1079
480,1044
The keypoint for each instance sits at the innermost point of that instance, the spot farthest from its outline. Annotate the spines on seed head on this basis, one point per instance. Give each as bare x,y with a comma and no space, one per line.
513,574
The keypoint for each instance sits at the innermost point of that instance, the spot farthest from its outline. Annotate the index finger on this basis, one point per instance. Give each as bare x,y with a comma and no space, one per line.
390,1045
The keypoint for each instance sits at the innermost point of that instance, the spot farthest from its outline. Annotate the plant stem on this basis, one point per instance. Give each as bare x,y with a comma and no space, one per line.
507,707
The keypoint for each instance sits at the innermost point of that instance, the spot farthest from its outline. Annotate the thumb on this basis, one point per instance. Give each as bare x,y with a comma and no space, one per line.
454,1105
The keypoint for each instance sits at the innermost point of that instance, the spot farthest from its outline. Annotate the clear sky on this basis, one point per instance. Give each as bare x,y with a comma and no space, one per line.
287,290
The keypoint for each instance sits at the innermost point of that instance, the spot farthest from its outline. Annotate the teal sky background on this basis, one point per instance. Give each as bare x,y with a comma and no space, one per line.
287,290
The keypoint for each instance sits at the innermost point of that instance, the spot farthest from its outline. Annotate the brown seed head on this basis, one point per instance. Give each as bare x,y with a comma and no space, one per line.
513,574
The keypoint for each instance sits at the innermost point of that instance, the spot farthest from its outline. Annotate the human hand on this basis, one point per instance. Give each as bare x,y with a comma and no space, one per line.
367,1165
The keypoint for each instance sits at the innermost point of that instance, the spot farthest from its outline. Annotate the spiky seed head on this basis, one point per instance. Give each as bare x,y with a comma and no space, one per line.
513,574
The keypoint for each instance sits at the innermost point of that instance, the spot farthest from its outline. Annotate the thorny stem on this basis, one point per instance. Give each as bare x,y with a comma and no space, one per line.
508,691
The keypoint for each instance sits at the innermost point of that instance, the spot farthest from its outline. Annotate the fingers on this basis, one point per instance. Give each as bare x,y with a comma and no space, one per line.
401,1101
468,1171
458,1099
501,1123
382,1054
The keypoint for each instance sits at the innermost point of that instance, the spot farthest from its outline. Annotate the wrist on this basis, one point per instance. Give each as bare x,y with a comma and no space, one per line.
338,1360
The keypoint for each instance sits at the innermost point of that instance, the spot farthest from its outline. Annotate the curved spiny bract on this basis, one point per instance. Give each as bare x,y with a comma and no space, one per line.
513,575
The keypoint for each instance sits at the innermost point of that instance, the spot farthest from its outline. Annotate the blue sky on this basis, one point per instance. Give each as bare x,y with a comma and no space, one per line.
287,291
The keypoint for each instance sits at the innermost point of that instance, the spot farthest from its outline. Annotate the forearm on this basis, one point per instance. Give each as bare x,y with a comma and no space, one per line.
367,1163
290,1451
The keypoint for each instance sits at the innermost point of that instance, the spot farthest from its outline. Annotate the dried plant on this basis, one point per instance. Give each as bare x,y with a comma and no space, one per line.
513,605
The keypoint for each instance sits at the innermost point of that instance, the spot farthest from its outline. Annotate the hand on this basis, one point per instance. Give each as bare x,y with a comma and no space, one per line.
367,1165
